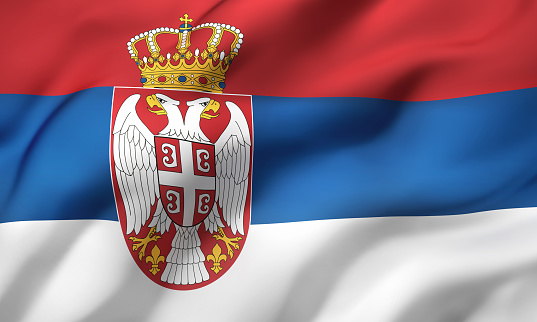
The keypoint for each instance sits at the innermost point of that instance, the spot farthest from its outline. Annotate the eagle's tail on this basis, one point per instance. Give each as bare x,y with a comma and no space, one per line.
185,262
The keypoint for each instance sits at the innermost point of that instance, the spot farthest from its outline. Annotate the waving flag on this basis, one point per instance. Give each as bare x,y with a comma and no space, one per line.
393,163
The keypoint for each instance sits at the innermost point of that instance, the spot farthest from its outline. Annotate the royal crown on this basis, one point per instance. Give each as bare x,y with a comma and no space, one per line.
166,60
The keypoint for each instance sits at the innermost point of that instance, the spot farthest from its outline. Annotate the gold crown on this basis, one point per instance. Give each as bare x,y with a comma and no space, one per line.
179,67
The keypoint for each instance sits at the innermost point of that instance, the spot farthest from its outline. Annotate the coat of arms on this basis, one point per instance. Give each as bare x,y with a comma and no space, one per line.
181,159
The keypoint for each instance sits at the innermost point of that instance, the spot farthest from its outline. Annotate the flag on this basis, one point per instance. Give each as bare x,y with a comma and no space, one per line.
393,175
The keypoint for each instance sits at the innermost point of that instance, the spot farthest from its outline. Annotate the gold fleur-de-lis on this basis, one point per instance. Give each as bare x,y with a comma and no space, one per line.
216,257
155,259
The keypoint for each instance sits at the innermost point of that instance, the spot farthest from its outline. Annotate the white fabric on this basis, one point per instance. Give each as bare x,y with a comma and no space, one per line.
478,267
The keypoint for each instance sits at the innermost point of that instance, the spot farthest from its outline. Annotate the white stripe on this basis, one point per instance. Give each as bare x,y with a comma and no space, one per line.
477,268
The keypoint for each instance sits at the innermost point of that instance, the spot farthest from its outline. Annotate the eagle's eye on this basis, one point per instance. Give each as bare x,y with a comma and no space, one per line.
204,104
160,100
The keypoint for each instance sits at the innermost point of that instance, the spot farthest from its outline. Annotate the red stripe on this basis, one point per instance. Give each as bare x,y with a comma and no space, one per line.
395,49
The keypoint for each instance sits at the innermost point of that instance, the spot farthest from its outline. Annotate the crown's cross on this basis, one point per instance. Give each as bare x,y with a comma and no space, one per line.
186,20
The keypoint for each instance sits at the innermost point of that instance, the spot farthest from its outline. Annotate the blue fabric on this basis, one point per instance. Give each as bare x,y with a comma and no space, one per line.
314,158
54,156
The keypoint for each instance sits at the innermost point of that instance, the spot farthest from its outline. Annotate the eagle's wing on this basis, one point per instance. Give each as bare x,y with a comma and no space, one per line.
136,166
233,168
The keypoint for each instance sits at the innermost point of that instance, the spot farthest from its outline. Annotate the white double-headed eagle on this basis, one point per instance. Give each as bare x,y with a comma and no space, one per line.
137,175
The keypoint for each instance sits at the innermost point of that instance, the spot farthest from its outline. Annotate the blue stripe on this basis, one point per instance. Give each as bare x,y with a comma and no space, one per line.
54,156
314,158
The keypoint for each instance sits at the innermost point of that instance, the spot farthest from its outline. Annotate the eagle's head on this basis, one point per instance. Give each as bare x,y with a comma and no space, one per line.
198,109
201,107
161,104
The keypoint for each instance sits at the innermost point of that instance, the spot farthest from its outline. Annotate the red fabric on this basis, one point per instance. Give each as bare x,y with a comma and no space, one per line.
394,49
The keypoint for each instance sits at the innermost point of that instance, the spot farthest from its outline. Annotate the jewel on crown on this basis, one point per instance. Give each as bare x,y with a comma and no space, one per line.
166,59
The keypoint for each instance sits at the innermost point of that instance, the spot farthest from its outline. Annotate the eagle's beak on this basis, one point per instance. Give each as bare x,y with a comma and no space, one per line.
213,106
153,102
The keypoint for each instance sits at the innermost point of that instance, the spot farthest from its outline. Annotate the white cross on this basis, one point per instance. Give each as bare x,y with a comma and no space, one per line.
188,180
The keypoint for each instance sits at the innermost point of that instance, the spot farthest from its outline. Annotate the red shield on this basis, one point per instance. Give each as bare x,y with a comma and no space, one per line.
181,172
186,173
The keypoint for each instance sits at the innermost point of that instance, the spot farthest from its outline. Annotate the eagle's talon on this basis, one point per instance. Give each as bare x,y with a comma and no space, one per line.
230,242
236,246
141,243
